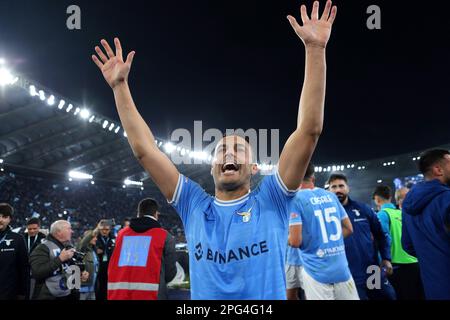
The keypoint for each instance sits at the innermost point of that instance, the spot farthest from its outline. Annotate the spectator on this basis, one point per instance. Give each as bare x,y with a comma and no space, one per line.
105,246
14,268
33,236
50,262
87,246
143,244
426,223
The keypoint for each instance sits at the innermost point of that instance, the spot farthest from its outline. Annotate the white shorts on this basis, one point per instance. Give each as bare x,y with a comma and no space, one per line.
315,290
294,277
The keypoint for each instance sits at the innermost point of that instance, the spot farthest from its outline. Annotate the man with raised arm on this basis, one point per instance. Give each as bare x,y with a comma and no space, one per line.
236,239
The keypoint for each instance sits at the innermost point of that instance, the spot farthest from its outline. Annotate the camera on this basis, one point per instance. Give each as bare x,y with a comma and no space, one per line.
77,259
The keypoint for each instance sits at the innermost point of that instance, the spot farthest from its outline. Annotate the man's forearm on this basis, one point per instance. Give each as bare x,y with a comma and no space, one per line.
311,110
139,134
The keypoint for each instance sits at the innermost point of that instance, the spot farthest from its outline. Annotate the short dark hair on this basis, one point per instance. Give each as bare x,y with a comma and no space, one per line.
337,176
309,172
33,221
6,210
382,191
147,206
429,158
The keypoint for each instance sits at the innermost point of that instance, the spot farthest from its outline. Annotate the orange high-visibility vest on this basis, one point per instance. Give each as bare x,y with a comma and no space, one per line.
135,266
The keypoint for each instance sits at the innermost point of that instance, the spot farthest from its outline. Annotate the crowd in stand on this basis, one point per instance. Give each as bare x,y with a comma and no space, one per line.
82,203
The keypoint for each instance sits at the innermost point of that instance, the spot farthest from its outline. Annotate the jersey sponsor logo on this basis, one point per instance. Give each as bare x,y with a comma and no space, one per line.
294,215
329,252
198,251
320,200
359,220
231,255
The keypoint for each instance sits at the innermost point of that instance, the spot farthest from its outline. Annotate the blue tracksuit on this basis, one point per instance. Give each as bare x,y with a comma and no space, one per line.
426,235
362,248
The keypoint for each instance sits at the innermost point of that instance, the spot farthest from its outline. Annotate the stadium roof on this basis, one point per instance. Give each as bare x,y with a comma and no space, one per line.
47,133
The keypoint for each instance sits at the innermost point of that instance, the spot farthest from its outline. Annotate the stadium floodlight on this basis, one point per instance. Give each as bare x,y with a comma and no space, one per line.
91,119
379,181
2,169
364,167
124,186
142,188
105,124
1,160
42,95
33,91
418,158
85,113
6,78
117,129
51,100
70,179
348,166
92,182
353,166
111,126
129,182
69,107
160,144
61,104
77,111
393,162
169,147
80,175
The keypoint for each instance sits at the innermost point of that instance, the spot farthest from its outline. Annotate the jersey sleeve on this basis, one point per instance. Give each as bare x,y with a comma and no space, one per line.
273,190
295,217
188,195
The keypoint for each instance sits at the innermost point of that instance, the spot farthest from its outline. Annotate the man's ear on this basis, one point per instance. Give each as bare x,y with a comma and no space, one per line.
254,169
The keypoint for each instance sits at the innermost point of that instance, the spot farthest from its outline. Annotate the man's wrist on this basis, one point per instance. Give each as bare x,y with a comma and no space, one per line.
120,85
313,47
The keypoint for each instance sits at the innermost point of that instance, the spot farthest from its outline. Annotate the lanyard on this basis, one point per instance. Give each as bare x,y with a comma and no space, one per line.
35,239
105,241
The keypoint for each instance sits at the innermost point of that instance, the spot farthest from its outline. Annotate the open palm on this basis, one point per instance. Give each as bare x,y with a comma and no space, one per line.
113,68
315,31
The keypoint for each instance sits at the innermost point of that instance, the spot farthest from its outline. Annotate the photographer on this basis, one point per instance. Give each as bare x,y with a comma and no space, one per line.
50,265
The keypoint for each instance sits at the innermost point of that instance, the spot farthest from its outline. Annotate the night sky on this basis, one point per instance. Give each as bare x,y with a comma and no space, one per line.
238,64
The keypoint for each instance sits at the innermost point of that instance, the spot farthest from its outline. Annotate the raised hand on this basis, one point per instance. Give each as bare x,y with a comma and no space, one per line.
114,69
315,31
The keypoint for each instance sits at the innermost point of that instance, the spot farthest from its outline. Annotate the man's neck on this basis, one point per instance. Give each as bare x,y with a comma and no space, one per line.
307,185
227,195
345,202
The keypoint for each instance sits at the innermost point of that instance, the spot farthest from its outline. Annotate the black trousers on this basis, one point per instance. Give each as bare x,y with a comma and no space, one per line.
407,282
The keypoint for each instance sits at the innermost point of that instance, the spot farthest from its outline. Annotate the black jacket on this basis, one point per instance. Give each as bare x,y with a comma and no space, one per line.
168,266
14,267
34,241
107,246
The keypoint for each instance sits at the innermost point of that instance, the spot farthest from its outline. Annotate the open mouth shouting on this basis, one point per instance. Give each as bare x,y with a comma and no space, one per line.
230,168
